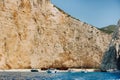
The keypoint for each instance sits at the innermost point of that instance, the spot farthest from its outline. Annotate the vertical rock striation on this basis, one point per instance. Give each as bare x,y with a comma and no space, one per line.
111,59
35,34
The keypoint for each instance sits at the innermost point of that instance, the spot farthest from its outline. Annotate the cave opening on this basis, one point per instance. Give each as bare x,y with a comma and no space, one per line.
118,63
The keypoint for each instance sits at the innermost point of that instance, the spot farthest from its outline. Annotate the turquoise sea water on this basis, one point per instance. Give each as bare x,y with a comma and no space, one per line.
59,76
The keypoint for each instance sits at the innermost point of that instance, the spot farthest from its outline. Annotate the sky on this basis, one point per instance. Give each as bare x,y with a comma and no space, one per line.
99,13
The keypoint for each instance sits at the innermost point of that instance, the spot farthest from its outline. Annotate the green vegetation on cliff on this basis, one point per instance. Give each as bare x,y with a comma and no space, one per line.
108,29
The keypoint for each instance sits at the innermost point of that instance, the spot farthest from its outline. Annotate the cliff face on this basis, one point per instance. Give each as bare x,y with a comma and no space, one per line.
111,59
35,34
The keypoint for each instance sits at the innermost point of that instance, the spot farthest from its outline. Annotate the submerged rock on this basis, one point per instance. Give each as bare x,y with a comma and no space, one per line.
111,59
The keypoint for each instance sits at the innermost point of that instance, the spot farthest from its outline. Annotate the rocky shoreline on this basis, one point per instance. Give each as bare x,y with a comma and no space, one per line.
39,70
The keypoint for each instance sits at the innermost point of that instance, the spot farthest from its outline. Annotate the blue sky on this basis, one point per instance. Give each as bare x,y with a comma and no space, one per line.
98,13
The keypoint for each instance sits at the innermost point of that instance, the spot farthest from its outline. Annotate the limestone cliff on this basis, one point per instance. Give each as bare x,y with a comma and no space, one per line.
35,34
111,59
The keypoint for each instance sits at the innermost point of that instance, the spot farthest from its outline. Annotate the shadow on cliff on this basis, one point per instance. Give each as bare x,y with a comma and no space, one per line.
111,59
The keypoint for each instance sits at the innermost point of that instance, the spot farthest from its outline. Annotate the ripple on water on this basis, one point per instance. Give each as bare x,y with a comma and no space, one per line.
59,76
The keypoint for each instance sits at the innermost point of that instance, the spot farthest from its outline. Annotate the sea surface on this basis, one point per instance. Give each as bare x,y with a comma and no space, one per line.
59,76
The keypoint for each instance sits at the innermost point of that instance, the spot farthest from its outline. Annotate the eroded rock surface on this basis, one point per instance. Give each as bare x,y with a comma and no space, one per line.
35,34
111,59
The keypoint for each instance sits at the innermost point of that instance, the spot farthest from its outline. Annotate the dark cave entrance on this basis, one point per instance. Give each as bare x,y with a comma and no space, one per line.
118,63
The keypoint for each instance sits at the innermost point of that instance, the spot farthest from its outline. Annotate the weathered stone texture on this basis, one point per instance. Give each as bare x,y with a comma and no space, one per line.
35,34
111,59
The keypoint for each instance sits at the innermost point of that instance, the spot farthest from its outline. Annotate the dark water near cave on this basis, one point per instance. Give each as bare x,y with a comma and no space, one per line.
59,76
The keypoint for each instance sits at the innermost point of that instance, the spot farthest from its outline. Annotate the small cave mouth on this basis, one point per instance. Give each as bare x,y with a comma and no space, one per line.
118,63
111,60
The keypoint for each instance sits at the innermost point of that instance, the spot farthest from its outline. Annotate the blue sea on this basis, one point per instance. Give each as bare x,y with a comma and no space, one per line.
59,76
